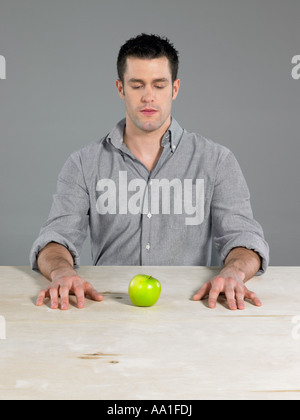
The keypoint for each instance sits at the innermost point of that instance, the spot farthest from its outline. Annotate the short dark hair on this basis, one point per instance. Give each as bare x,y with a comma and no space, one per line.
148,47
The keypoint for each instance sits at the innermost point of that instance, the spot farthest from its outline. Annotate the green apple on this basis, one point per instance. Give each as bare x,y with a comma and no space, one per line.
144,290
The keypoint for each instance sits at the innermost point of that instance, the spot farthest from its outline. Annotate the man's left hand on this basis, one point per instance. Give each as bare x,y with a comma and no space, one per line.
230,282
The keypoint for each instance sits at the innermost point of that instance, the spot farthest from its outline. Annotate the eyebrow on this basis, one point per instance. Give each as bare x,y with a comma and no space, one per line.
161,80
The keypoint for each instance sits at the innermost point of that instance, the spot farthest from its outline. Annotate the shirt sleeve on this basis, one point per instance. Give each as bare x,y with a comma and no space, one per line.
232,218
69,215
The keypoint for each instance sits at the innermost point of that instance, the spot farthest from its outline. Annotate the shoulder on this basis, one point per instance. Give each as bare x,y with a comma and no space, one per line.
204,146
86,155
82,160
94,149
91,149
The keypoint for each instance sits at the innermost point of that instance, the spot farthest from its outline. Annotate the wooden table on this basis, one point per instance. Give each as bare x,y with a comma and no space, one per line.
178,349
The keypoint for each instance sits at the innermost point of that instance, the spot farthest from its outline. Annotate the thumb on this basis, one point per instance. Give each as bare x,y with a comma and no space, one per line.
202,292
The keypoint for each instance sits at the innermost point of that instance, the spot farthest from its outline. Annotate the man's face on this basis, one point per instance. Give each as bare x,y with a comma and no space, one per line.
148,92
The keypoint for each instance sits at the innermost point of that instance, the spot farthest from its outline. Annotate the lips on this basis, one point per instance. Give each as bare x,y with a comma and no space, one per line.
148,111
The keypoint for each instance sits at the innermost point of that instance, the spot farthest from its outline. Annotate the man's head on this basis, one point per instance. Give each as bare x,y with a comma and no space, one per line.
148,47
147,69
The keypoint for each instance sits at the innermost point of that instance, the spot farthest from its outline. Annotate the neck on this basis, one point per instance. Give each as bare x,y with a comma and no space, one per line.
145,146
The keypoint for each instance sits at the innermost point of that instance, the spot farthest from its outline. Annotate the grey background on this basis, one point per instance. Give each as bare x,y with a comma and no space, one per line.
236,88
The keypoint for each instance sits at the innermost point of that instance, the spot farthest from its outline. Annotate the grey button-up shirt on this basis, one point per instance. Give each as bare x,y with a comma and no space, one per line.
196,192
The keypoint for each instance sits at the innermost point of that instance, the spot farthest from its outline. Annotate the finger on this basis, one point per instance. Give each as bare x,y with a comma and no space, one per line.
53,292
252,296
41,297
93,294
213,296
230,296
64,297
202,292
240,298
79,293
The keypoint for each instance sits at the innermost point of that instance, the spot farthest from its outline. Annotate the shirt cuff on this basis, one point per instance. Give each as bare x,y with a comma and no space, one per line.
45,239
258,245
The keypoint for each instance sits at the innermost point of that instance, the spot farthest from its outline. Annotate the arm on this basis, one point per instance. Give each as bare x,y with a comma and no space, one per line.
56,263
243,261
235,234
56,251
240,265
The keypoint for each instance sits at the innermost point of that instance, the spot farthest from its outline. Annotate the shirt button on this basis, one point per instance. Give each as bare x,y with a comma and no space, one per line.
148,247
149,215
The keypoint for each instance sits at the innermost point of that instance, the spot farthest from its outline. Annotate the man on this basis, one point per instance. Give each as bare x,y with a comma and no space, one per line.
151,193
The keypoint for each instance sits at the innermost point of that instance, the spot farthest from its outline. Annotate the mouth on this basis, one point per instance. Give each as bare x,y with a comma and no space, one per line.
148,111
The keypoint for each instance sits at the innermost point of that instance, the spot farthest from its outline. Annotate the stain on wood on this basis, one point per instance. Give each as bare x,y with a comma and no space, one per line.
97,355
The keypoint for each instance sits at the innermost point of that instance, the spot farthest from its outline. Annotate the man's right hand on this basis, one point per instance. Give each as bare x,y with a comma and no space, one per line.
63,287
56,263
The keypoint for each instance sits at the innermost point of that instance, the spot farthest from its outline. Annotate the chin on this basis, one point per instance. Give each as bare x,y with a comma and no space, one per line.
151,126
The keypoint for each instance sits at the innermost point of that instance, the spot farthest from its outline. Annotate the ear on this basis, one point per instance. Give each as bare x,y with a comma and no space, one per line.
176,86
120,89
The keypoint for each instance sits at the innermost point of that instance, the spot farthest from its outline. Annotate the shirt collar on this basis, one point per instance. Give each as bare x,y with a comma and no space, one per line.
172,136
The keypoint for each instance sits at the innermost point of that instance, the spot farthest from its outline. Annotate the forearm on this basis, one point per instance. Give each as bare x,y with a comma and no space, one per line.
244,261
55,260
241,264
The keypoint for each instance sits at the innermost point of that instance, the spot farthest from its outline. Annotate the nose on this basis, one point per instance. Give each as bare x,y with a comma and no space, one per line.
148,95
